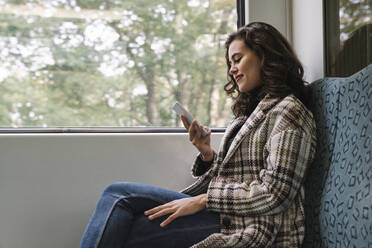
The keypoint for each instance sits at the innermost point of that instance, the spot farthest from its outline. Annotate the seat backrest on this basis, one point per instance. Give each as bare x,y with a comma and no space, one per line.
338,202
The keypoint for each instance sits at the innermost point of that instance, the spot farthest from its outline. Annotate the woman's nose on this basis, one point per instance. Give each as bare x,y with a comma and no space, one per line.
233,70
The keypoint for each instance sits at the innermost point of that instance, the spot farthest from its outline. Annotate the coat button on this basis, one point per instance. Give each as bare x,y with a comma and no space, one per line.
226,222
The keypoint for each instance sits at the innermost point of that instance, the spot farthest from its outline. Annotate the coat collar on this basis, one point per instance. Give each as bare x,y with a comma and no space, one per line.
248,124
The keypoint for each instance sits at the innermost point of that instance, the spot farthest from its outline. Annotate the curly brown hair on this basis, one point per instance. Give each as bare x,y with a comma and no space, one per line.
281,71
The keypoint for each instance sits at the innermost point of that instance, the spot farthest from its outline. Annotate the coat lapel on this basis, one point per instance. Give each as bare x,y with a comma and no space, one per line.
250,124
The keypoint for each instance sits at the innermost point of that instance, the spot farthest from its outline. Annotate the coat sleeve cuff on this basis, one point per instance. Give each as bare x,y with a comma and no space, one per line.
200,167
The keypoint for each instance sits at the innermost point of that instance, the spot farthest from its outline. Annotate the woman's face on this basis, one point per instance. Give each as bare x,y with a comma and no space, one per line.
245,66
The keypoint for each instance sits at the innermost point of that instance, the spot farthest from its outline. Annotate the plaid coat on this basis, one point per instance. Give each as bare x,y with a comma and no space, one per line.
257,186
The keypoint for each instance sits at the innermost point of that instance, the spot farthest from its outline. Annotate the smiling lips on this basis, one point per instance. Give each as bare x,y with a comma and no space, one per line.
238,77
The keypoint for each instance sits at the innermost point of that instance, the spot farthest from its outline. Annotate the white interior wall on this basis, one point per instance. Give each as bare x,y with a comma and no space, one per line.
301,21
307,34
274,12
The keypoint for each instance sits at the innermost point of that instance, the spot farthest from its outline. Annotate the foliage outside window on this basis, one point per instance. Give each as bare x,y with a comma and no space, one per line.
348,36
113,63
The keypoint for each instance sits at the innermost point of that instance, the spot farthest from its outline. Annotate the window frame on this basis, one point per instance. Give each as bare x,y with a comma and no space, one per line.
332,44
329,32
54,130
240,8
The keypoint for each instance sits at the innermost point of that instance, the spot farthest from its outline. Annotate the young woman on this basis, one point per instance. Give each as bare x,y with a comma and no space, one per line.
249,193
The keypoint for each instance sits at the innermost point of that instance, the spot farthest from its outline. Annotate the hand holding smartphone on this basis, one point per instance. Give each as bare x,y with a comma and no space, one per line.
182,111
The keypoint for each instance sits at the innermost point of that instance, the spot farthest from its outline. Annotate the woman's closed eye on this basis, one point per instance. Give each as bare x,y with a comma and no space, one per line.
237,60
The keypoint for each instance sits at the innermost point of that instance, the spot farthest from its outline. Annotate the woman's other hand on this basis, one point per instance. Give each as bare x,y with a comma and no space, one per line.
202,143
177,208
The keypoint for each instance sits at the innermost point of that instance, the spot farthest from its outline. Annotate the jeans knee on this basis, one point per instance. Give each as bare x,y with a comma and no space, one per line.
120,188
113,188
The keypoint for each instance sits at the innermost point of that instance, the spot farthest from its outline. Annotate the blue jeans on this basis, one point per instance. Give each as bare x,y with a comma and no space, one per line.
119,220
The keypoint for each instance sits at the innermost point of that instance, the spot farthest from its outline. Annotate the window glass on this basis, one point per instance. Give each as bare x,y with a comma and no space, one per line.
117,63
348,36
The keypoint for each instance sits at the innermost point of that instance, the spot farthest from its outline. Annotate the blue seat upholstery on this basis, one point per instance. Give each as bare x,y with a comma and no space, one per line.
338,204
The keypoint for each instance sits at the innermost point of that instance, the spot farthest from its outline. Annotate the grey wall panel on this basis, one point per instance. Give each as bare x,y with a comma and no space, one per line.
50,183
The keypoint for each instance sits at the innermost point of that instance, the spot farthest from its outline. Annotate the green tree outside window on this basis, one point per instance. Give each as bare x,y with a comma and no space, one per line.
85,63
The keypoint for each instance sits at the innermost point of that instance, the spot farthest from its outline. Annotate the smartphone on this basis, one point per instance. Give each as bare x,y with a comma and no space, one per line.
182,111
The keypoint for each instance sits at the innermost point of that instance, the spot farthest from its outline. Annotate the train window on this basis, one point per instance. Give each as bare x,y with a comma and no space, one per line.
113,63
348,36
